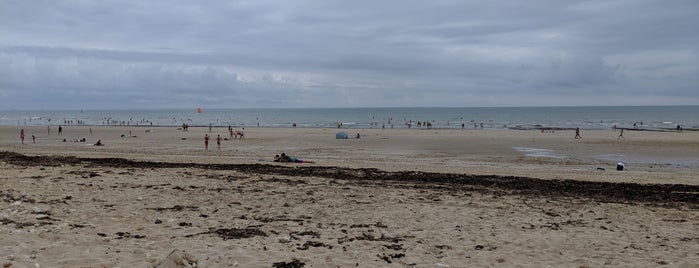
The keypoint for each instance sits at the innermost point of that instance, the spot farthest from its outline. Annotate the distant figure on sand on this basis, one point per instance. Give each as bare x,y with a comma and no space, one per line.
577,133
60,130
33,139
21,136
679,128
621,134
218,142
206,141
99,143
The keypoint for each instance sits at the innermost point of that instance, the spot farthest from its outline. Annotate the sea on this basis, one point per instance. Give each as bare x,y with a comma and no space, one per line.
591,118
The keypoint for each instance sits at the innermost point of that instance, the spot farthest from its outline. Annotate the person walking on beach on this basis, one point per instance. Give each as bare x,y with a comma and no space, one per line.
218,141
21,135
577,133
206,141
60,130
621,134
33,139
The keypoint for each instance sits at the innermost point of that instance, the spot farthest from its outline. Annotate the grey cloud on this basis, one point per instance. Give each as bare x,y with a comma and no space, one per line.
339,53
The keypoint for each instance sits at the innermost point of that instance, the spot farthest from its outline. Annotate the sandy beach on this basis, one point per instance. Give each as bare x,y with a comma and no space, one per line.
393,198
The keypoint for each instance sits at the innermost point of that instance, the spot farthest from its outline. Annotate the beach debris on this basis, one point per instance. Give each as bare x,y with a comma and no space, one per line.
486,247
394,246
237,233
233,233
314,244
370,237
176,208
294,263
599,191
122,235
389,258
377,224
306,233
281,218
176,259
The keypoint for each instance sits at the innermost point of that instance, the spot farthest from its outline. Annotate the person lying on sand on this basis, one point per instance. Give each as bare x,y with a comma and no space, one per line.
290,159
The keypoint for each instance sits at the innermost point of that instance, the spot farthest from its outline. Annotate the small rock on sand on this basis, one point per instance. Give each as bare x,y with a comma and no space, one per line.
176,259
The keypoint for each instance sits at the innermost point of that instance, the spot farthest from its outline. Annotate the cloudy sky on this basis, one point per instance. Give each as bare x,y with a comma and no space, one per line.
245,54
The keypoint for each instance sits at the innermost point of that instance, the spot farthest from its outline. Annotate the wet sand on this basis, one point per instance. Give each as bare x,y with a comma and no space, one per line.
394,198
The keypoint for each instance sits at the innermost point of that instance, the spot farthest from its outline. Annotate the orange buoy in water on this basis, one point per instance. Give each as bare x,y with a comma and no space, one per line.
198,110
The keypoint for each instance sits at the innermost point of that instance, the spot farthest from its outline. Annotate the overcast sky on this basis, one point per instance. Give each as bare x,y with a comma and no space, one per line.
249,54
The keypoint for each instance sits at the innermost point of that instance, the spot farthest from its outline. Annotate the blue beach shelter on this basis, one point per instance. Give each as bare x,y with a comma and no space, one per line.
341,135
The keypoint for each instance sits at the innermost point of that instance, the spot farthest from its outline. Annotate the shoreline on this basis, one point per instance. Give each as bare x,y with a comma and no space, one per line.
532,118
349,128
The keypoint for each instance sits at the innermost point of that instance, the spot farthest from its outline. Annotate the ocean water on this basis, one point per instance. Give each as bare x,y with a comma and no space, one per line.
647,117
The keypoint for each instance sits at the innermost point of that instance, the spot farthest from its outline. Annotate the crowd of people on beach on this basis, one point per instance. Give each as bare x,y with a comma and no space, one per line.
240,134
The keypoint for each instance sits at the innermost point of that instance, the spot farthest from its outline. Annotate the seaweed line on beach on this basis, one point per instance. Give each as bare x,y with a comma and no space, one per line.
655,194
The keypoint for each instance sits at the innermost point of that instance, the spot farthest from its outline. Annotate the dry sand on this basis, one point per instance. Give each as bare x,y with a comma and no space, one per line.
393,198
